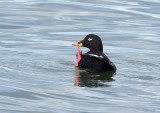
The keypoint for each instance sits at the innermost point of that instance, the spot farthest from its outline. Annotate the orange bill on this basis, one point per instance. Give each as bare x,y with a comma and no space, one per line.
77,44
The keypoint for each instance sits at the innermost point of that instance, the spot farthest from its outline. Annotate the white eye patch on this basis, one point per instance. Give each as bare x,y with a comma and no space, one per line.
89,39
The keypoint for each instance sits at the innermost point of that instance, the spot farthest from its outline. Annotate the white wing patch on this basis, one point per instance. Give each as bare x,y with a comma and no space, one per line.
95,55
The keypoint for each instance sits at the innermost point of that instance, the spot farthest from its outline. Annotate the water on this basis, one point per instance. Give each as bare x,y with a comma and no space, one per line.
37,73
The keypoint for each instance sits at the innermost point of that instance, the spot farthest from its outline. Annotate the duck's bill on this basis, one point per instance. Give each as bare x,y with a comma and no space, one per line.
78,44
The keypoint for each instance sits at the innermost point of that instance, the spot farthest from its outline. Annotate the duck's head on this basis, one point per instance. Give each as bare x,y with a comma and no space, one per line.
91,41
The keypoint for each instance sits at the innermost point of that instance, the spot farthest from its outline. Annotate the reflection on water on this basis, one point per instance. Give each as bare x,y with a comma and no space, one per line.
85,79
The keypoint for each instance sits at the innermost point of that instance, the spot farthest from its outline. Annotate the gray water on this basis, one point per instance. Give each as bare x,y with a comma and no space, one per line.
37,73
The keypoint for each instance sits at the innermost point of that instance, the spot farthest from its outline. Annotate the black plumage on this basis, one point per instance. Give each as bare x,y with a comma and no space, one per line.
94,61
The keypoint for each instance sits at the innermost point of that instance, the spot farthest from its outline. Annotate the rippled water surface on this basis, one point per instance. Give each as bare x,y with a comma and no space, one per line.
37,73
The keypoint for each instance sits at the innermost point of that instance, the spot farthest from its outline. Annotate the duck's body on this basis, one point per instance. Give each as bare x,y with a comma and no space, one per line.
94,61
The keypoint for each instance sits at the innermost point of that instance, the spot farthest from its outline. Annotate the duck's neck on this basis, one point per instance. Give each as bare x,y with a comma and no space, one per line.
98,49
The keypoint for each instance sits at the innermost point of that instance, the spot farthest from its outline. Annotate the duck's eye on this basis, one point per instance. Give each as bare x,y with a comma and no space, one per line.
89,39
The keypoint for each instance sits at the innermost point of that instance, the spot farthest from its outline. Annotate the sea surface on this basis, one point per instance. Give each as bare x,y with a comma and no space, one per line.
37,72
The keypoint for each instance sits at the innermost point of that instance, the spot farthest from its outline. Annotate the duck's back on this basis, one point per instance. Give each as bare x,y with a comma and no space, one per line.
96,62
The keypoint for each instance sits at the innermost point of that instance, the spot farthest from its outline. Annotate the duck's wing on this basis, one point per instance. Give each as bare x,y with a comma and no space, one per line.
95,62
86,61
101,56
98,55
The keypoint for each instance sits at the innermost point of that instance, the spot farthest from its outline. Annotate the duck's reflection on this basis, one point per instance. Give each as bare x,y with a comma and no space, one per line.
85,79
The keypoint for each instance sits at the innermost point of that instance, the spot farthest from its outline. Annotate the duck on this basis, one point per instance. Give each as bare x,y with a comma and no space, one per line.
94,61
